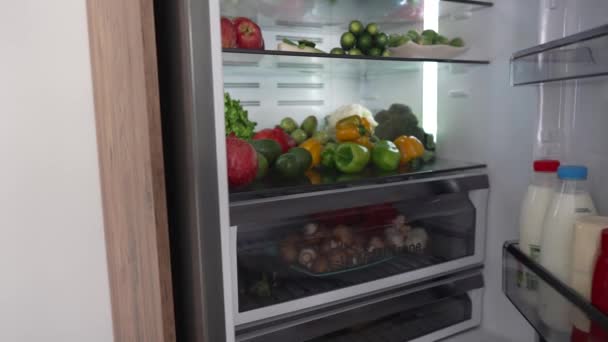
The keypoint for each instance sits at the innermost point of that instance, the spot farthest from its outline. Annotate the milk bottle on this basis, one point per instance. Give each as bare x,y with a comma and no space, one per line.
533,209
570,202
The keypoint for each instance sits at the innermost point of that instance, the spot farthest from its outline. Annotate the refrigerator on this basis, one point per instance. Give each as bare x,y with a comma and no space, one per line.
423,251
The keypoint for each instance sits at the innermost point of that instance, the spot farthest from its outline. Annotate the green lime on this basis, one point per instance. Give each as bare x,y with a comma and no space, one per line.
269,148
355,27
288,125
372,29
381,40
262,166
374,52
413,35
457,42
287,166
322,136
365,42
441,40
337,51
429,33
303,157
299,136
309,125
348,40
355,52
425,40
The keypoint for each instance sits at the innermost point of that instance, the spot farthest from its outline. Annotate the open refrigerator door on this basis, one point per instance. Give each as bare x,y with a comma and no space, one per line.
341,190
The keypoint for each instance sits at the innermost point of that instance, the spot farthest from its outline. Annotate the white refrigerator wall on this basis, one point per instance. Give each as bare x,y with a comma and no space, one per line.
53,279
576,110
494,123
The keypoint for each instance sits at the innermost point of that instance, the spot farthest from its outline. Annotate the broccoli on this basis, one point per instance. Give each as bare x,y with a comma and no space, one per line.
396,121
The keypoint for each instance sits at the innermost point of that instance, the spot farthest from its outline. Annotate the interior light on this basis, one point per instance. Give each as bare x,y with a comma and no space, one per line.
429,73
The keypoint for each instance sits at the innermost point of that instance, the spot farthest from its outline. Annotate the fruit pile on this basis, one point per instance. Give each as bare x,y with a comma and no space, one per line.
363,40
347,145
241,33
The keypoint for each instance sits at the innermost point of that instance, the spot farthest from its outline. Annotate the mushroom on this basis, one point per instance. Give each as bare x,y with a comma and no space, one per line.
310,229
375,243
328,244
337,259
417,240
321,265
289,252
399,223
394,237
353,256
307,257
358,244
343,234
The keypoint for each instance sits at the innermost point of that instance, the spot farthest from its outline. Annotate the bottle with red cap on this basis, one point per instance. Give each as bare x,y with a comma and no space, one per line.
599,289
535,204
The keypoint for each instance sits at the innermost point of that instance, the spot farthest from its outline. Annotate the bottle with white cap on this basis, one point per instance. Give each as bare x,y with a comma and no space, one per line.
571,201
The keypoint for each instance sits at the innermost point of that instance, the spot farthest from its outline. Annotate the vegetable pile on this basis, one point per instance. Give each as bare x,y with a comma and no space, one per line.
351,143
426,37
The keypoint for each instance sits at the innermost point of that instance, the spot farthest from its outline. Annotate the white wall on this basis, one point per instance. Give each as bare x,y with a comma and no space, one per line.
53,273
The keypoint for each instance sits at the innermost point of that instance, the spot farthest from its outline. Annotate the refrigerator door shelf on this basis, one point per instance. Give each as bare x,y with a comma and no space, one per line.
581,55
528,299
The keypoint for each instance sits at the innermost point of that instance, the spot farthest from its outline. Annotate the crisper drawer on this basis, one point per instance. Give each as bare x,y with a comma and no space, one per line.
423,312
287,264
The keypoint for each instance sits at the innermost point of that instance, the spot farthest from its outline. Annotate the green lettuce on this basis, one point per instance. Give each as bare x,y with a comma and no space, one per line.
236,118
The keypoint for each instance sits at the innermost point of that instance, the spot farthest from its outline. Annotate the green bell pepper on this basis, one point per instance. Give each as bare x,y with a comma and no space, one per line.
386,156
327,156
351,157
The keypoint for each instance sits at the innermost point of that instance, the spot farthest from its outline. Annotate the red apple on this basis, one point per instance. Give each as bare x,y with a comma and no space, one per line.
248,34
228,33
277,135
242,162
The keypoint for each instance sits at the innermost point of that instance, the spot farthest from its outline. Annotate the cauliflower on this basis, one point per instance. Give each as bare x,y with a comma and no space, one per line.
345,111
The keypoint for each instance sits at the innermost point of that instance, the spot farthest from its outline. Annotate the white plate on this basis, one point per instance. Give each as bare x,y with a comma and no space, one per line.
413,50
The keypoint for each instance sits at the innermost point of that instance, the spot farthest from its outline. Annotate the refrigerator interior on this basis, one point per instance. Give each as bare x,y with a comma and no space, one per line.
480,117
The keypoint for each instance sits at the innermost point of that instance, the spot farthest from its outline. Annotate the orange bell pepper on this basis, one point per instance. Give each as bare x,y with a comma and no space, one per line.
365,141
410,148
315,147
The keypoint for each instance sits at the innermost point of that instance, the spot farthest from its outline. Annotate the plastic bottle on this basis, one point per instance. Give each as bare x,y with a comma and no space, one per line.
570,202
533,210
599,291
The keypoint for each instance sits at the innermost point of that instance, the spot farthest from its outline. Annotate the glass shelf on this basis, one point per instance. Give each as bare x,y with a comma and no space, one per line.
530,298
326,181
328,14
238,62
578,56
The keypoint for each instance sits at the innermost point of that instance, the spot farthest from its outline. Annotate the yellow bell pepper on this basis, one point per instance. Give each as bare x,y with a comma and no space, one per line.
315,147
349,121
410,148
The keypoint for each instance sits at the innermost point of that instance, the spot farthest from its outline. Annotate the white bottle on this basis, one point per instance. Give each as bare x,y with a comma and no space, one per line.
533,210
570,202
